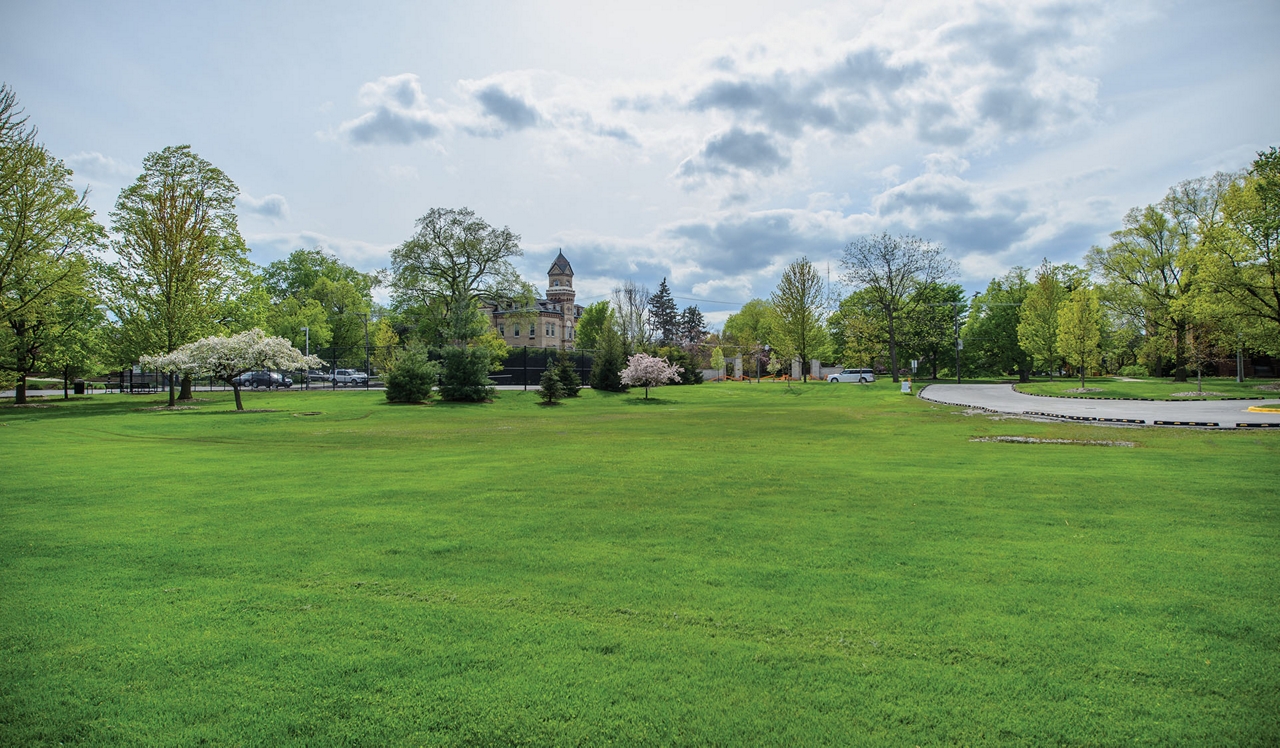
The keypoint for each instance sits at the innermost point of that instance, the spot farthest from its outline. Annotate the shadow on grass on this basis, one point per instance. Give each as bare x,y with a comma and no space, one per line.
651,401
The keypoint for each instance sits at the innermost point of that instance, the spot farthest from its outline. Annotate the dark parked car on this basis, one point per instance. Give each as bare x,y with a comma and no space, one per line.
268,379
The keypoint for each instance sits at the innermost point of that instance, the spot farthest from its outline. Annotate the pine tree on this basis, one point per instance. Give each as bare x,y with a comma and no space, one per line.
569,380
610,358
692,326
549,387
664,317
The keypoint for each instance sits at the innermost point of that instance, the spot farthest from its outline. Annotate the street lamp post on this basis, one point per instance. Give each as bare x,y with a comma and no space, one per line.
306,373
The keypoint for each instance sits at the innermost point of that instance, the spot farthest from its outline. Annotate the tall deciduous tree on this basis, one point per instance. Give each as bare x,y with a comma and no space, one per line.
1242,269
799,303
930,331
1080,331
892,268
1038,320
1152,262
179,249
590,325
46,230
991,332
749,330
454,260
631,315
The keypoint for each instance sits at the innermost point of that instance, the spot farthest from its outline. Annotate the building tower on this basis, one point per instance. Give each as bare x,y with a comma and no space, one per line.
560,293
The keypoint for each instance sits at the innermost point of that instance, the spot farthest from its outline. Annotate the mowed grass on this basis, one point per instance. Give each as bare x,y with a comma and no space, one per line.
732,563
1215,388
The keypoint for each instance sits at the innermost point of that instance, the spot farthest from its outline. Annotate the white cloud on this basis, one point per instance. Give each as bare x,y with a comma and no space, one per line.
273,207
96,168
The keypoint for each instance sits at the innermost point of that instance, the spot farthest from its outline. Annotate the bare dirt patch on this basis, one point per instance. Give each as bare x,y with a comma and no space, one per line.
1082,390
1034,440
1269,387
175,407
1206,393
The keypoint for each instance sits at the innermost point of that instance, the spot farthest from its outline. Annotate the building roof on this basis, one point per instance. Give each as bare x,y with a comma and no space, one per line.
560,266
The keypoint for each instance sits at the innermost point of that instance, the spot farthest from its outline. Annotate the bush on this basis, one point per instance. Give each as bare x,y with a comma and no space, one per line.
466,374
550,389
690,374
610,359
569,380
1133,370
412,375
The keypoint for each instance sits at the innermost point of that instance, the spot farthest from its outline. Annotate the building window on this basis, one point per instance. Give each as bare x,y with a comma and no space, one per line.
551,331
532,331
515,332
555,283
502,330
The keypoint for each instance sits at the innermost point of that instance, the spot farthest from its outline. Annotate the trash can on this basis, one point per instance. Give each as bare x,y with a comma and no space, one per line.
78,386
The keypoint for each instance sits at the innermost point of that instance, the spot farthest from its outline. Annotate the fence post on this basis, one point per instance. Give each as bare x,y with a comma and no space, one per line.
526,368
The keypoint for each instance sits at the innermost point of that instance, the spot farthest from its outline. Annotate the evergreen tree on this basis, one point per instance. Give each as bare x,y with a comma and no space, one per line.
466,366
664,317
411,375
692,326
569,380
610,359
549,387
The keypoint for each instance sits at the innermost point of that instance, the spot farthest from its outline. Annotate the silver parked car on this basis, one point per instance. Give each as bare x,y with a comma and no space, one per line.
349,376
861,376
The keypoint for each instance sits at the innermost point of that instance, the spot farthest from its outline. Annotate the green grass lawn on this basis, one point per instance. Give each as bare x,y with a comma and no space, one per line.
1156,389
731,563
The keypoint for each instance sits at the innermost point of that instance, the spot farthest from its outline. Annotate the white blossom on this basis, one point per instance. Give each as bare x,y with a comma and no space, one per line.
647,371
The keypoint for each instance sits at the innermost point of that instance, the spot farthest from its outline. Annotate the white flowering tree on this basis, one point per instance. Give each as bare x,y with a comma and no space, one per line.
646,371
229,357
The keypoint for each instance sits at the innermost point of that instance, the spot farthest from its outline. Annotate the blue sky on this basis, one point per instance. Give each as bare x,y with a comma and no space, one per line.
708,144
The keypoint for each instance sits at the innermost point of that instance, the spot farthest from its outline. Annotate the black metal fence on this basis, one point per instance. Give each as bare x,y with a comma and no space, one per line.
351,368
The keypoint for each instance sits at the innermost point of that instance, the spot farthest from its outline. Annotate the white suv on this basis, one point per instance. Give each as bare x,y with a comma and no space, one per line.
861,376
348,376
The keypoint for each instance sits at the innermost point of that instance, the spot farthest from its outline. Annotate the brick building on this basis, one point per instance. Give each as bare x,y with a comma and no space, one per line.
551,324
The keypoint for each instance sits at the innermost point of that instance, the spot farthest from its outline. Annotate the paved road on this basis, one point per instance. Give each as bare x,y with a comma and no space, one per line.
1003,398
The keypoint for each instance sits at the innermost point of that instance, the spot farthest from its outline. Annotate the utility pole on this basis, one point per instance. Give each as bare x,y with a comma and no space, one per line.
306,373
366,350
959,344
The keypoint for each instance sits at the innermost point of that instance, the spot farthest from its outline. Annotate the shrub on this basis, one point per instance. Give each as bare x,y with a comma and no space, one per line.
412,375
689,374
569,380
466,374
1133,370
550,389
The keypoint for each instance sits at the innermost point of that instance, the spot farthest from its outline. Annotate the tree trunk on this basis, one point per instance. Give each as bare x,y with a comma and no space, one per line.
236,389
1081,376
185,394
65,375
646,392
173,393
1180,352
893,348
20,391
1024,376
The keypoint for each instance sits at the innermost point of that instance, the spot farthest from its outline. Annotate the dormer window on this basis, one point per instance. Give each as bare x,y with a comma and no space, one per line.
555,283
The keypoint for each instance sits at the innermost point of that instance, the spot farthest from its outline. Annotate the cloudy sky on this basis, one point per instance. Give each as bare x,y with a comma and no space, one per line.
708,144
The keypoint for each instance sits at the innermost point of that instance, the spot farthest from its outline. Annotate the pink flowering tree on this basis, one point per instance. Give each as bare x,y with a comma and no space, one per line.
229,357
646,371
